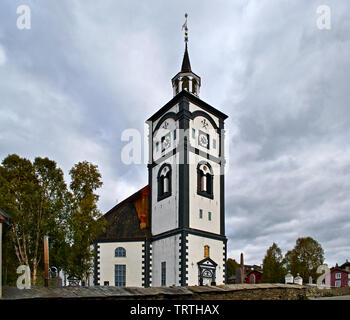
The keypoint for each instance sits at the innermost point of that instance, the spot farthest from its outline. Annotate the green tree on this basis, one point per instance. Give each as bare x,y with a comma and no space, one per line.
231,266
273,271
33,194
305,258
85,222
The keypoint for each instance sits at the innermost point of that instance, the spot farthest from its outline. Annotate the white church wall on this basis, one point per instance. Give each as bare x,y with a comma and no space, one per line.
174,108
165,212
167,250
193,108
197,124
198,202
133,262
196,253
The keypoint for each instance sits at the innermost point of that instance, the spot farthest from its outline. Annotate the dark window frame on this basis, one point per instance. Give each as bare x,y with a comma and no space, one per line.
160,182
120,275
209,192
120,252
163,273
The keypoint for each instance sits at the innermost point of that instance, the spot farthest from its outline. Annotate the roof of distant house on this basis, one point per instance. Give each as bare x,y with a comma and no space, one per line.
339,269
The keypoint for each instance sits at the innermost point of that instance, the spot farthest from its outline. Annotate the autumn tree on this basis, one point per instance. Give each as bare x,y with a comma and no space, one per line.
231,266
305,258
273,271
85,222
33,194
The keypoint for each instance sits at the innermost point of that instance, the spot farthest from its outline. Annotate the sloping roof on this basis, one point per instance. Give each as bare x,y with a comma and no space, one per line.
4,218
339,269
192,98
123,220
346,264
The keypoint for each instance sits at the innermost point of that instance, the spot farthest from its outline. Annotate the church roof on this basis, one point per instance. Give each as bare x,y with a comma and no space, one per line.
129,219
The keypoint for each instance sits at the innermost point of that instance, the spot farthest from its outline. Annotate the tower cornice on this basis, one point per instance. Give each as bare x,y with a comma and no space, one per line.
191,98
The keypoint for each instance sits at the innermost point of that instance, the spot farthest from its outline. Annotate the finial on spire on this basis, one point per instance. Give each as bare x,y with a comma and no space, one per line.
184,26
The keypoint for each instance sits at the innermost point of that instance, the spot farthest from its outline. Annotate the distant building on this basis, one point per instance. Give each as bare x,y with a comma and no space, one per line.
4,219
340,276
254,276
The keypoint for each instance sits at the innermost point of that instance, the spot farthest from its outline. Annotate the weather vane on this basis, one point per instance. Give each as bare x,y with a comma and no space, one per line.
184,26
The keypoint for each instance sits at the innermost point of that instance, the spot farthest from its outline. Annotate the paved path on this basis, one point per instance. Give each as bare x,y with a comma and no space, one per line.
332,298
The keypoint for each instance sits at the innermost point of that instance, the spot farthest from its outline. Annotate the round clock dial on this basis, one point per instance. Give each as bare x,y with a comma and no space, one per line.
166,143
203,140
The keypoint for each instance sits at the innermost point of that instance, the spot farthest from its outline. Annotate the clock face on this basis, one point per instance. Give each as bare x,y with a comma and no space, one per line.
166,142
203,139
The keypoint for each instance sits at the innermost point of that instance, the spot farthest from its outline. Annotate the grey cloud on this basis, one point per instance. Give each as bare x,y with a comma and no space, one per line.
86,72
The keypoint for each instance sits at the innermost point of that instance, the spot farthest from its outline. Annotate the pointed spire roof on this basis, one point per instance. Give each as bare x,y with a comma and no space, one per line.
186,65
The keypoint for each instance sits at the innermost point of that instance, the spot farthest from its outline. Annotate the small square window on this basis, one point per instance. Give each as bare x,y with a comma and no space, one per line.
106,283
338,275
209,216
200,214
194,133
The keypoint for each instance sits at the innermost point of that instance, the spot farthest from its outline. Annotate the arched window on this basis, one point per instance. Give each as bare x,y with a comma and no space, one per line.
194,86
205,179
120,252
164,181
252,278
185,84
176,86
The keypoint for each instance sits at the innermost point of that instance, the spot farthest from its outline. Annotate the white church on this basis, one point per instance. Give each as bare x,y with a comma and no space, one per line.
172,231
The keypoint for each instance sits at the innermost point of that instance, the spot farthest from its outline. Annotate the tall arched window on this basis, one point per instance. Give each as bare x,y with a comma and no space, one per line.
120,252
164,181
205,180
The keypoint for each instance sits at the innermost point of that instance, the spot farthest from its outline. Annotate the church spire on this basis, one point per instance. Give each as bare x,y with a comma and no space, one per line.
186,79
186,65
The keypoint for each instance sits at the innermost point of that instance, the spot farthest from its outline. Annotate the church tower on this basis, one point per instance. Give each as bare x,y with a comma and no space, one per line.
186,178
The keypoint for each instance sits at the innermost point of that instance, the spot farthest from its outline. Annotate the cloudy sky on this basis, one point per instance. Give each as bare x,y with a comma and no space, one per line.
84,72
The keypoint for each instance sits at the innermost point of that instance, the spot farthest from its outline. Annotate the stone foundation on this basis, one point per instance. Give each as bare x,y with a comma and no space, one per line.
224,292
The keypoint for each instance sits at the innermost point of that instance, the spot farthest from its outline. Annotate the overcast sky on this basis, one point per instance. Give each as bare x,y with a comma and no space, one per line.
85,72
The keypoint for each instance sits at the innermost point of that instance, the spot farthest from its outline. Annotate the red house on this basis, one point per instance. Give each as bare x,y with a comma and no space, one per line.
254,276
340,277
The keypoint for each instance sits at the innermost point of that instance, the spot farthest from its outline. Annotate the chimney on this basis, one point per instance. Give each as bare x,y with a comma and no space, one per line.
242,268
